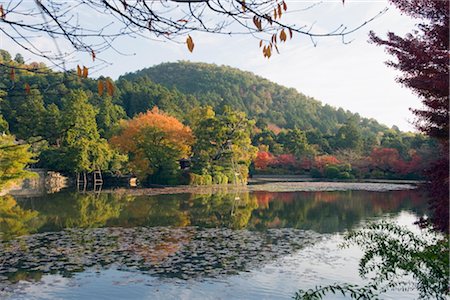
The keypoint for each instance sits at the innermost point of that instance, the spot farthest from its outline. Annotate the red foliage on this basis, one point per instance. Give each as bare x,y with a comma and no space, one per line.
263,160
286,161
321,161
387,160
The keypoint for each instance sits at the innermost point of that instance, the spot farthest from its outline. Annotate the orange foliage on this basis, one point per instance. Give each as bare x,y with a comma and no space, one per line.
174,131
274,128
263,159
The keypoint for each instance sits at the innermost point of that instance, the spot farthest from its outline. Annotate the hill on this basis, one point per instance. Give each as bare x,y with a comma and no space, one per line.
260,98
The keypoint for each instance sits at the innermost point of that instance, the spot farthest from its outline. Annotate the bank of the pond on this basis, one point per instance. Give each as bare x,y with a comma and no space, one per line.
281,186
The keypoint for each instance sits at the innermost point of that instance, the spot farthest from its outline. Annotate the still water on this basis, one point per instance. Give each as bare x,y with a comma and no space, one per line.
244,245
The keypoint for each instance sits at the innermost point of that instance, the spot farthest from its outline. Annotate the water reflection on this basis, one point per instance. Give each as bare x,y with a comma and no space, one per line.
323,212
181,236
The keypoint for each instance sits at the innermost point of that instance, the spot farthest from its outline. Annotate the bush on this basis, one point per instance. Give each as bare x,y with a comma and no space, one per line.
345,175
331,172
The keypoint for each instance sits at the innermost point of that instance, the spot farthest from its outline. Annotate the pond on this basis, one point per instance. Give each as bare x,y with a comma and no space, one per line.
239,245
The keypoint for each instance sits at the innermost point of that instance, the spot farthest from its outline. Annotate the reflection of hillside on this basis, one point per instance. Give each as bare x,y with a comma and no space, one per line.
330,211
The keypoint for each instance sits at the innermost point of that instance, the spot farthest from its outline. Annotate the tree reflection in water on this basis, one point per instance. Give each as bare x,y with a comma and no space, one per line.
183,236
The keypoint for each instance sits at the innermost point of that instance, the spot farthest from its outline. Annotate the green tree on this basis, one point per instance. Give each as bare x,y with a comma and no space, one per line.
13,160
82,148
349,137
295,141
26,115
223,145
19,59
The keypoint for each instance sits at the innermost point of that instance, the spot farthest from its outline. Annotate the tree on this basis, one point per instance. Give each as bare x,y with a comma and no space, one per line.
263,160
172,20
19,59
386,160
154,142
223,145
13,160
26,115
422,57
81,148
349,137
296,143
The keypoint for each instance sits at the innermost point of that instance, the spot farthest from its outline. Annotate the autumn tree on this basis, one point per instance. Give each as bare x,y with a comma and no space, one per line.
263,160
154,142
422,57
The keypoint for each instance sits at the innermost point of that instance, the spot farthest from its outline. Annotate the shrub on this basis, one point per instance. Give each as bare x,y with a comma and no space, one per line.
331,172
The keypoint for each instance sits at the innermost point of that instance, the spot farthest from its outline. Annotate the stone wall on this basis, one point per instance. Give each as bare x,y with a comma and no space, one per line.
45,182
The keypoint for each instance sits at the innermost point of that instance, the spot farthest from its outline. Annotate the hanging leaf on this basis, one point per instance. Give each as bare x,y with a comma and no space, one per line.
78,71
100,87
2,12
260,43
12,74
269,19
257,23
85,72
284,6
279,11
244,7
27,89
183,21
275,15
93,55
290,33
109,88
269,52
343,2
190,43
283,36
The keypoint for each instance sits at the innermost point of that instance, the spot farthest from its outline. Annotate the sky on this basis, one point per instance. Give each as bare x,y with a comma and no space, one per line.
352,76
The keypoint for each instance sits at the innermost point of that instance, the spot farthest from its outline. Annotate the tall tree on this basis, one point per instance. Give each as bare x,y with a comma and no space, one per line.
82,149
422,57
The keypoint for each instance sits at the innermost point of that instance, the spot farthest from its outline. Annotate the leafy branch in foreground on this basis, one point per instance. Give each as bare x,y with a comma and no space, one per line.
392,252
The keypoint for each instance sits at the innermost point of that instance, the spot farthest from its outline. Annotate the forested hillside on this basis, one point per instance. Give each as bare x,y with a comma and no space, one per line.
231,120
258,97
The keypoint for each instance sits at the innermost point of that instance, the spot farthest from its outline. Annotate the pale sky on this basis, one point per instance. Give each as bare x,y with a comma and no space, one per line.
352,76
